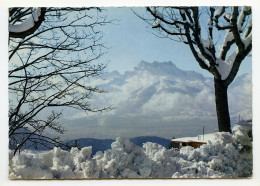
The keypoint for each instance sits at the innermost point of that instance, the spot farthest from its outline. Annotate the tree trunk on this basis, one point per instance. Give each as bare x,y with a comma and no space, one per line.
222,106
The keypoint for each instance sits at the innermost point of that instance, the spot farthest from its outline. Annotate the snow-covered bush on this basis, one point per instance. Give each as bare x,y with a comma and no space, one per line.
228,156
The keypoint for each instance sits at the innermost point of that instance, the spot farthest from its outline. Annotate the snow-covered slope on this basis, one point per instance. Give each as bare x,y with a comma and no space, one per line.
160,100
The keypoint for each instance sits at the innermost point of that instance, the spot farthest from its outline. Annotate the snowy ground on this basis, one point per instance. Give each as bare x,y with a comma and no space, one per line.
228,156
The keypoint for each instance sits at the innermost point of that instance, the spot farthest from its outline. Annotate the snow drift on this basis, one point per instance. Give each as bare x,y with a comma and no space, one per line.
228,156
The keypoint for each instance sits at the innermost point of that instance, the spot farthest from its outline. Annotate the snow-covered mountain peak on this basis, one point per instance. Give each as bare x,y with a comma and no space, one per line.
155,64
157,67
159,96
168,69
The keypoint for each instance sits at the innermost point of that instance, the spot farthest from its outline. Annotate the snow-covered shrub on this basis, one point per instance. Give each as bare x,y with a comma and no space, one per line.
228,156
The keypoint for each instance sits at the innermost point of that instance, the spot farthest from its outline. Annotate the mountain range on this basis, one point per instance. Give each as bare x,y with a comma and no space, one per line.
157,99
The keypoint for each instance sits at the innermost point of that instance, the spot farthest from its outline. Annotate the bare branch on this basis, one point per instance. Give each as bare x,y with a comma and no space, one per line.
49,70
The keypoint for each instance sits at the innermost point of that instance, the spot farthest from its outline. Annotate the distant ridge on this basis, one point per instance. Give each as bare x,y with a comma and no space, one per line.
105,144
97,144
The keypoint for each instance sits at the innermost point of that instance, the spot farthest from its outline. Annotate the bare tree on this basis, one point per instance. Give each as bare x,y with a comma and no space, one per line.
219,38
52,53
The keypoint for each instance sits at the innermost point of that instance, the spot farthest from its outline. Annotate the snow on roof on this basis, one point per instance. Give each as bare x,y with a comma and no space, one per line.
243,124
199,138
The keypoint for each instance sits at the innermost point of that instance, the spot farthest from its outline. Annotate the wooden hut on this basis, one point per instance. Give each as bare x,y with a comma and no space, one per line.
195,142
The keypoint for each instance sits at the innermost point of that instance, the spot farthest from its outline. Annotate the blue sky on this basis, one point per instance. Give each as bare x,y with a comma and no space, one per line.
132,40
